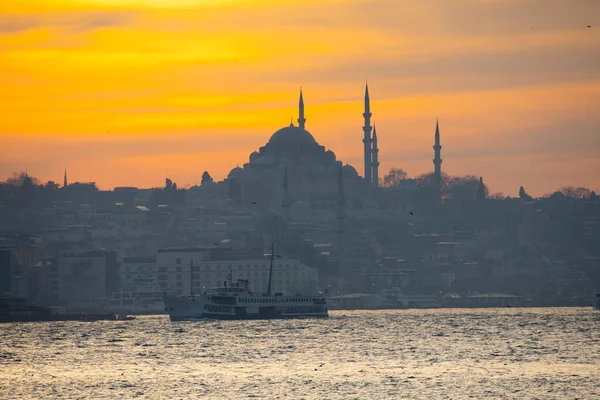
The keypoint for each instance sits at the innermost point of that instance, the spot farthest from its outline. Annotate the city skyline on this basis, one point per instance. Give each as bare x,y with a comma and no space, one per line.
126,94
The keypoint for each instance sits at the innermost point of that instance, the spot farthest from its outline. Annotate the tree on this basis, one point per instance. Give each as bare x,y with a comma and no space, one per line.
20,179
481,194
497,196
170,194
523,194
51,186
206,177
576,193
462,188
394,177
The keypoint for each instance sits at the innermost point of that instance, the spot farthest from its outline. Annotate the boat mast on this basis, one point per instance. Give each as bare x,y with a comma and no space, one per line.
271,268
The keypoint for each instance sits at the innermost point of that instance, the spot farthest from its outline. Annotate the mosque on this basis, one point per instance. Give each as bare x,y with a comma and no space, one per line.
292,168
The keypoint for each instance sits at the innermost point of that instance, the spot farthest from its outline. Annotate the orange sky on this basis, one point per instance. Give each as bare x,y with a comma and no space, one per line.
129,92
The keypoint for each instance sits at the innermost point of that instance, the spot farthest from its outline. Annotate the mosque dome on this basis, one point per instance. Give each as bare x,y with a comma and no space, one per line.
348,171
292,135
235,173
253,156
208,184
331,155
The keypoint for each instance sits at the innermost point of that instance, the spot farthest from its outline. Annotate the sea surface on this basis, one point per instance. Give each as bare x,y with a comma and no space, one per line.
512,353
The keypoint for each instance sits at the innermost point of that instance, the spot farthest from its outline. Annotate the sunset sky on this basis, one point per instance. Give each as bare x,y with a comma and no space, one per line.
129,92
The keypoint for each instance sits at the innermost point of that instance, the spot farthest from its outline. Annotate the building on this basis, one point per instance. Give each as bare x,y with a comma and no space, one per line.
172,270
85,278
310,170
289,277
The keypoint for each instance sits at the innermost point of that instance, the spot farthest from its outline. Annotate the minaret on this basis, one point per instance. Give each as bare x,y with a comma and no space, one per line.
341,216
375,158
301,119
65,183
437,160
367,135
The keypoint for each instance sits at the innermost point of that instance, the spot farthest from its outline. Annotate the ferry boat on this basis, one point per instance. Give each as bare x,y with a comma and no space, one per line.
236,302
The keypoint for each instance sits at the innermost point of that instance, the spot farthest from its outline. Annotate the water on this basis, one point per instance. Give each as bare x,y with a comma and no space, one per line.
415,354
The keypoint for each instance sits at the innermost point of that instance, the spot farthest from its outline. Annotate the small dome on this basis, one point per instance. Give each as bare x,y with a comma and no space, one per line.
208,185
348,171
235,173
292,135
253,156
264,160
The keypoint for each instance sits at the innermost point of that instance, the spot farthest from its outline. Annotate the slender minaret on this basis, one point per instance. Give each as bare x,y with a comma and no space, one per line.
65,182
437,160
341,216
301,119
367,135
375,158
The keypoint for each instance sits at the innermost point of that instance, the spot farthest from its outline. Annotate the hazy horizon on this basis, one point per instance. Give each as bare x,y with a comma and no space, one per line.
128,93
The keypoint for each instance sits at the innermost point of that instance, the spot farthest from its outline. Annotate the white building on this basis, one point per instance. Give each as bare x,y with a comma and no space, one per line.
172,271
290,276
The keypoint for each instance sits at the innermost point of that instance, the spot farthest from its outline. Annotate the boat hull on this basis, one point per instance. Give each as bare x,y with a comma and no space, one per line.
194,308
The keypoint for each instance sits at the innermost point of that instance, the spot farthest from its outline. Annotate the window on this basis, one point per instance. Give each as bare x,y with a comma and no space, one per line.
178,261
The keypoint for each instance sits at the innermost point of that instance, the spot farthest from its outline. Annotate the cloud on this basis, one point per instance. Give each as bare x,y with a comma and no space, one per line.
73,22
